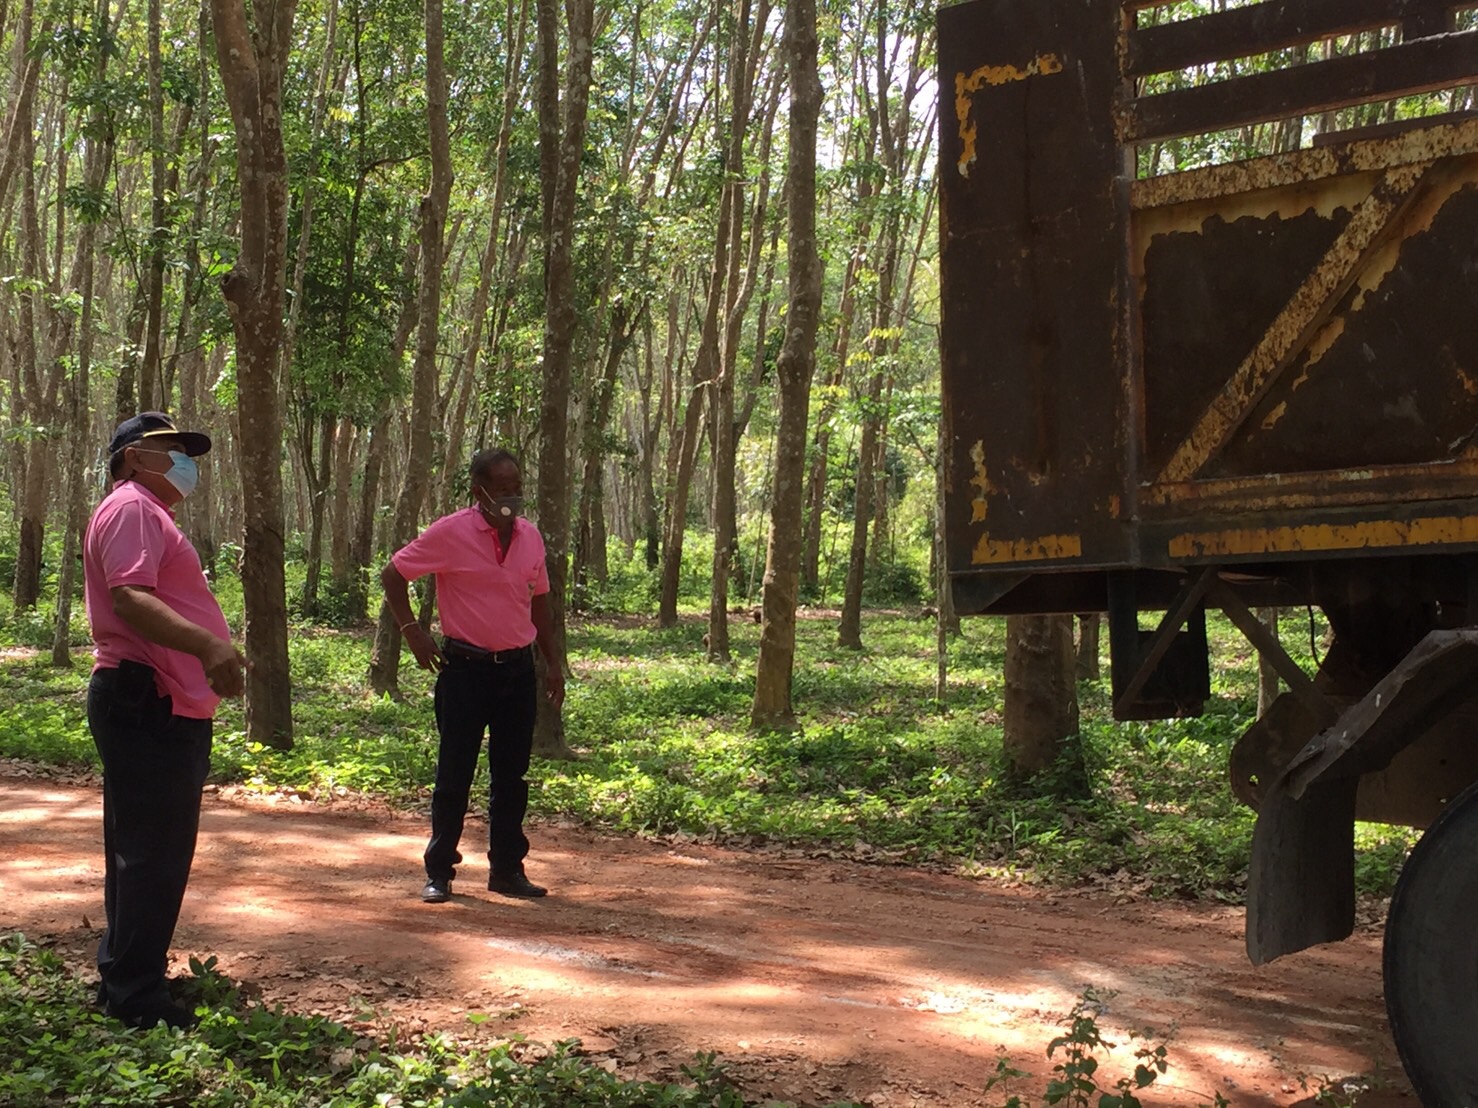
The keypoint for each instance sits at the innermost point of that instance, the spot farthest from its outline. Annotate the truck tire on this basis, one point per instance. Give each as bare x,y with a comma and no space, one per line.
1431,959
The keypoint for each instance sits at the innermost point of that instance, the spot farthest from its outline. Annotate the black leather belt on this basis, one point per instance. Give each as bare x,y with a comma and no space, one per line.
466,651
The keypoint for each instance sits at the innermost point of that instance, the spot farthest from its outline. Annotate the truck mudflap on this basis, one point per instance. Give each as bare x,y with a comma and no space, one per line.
1388,744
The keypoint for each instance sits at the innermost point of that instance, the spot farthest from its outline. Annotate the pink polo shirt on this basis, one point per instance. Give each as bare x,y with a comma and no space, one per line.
483,601
133,540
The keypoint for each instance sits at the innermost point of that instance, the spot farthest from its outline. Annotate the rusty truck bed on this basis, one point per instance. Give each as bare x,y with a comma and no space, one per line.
1252,364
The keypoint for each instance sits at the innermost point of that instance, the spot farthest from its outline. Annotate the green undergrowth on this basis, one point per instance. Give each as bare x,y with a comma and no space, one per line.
55,1048
878,766
1079,1078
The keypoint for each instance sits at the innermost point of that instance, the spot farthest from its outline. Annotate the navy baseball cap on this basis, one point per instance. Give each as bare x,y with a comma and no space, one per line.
148,425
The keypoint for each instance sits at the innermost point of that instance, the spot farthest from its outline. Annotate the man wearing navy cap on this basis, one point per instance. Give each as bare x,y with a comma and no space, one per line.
164,659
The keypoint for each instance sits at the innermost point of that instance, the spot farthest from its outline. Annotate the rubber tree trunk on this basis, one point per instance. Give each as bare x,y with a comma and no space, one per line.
252,49
74,501
98,159
705,372
590,565
385,655
340,523
319,476
651,429
946,621
362,547
865,505
816,481
774,670
849,632
151,394
1089,626
27,63
37,410
1041,701
561,138
677,501
738,289
197,515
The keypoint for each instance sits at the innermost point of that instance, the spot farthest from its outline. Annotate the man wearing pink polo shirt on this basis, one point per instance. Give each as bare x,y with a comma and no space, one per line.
492,588
164,659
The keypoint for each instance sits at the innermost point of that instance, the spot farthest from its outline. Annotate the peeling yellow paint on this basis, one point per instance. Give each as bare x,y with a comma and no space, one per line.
1437,530
1322,198
1303,167
967,86
1417,221
1326,338
1470,386
989,551
979,505
1114,505
1271,419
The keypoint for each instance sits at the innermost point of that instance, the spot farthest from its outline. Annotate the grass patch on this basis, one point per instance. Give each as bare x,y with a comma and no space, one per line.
55,1048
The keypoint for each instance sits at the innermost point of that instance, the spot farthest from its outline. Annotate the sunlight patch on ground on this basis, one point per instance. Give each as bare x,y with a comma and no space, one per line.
568,956
685,860
51,870
34,813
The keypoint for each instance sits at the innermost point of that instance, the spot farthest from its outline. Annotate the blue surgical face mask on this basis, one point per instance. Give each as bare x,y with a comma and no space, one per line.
184,474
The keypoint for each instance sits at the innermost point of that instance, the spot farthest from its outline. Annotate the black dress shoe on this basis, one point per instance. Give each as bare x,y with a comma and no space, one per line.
437,891
515,884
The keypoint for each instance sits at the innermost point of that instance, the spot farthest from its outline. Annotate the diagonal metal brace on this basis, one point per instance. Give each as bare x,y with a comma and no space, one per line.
1371,224
1267,644
1186,602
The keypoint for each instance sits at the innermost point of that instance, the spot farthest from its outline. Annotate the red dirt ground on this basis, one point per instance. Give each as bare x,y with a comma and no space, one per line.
814,977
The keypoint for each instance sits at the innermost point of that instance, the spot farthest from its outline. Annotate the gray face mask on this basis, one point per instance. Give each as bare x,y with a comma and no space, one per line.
502,507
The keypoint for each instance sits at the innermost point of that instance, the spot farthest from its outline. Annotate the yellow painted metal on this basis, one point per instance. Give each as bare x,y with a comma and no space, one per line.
1323,489
1367,535
989,551
966,85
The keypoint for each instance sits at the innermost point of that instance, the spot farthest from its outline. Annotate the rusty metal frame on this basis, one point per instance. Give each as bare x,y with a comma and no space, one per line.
1274,25
1423,65
1313,303
1433,680
1180,609
1101,441
1267,645
1175,486
1321,489
1418,144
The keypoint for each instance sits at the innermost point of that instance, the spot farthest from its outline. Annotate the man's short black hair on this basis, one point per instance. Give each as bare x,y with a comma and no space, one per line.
484,461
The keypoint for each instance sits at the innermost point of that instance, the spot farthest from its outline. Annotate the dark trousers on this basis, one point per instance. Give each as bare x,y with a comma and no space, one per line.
474,698
154,764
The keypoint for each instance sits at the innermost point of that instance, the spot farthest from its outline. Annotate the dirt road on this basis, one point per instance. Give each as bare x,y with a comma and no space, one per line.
814,978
